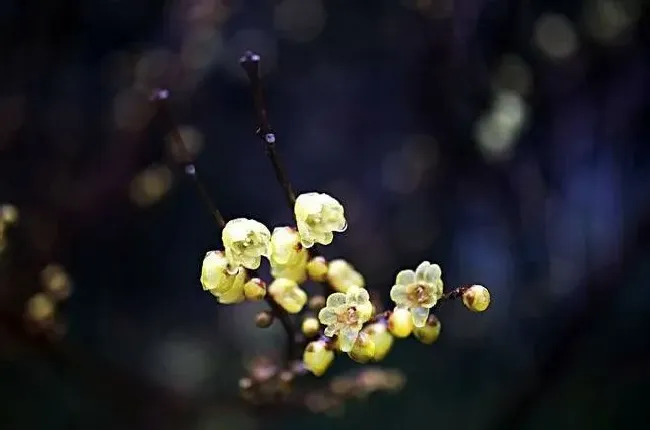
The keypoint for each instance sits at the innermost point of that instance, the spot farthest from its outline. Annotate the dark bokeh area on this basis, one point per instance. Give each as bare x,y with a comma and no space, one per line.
505,140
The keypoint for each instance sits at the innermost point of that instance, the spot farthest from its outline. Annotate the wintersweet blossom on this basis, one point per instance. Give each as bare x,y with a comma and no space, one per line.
344,315
418,291
246,241
296,270
288,294
341,275
215,276
285,246
318,215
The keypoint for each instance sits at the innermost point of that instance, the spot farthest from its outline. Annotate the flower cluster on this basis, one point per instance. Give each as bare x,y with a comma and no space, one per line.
346,320
247,241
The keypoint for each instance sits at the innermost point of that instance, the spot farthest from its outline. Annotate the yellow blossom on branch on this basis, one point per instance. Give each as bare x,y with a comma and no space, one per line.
418,291
246,241
318,216
344,315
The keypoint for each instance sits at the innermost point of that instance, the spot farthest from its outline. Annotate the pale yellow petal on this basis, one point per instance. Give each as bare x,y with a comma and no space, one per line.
347,337
327,316
419,315
326,238
405,277
420,271
335,300
432,273
398,294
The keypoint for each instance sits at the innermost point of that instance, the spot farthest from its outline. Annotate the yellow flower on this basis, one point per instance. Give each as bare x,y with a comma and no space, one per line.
342,275
418,291
476,298
296,271
381,337
288,294
285,246
215,276
317,216
344,315
317,357
245,241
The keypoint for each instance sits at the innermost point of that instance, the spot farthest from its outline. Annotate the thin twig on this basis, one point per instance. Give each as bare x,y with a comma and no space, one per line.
250,62
160,97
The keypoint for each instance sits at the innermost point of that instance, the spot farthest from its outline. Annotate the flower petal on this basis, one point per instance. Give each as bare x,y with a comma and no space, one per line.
330,331
341,225
421,271
356,296
335,300
326,238
327,316
347,337
405,277
419,316
432,273
398,294
365,311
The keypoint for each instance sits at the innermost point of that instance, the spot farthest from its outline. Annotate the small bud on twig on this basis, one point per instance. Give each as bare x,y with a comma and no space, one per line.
264,319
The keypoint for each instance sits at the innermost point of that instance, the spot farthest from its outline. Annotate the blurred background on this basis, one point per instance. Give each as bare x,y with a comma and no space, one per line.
506,140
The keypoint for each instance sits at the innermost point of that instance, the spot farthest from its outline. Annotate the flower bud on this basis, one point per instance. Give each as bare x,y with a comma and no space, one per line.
264,319
255,289
317,357
310,326
400,323
363,349
288,295
476,298
342,275
382,338
430,332
317,269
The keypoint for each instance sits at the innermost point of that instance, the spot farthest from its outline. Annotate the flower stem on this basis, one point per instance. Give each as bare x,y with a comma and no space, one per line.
250,62
160,97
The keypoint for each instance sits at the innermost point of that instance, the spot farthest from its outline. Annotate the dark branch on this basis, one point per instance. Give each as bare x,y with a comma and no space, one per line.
250,62
160,97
